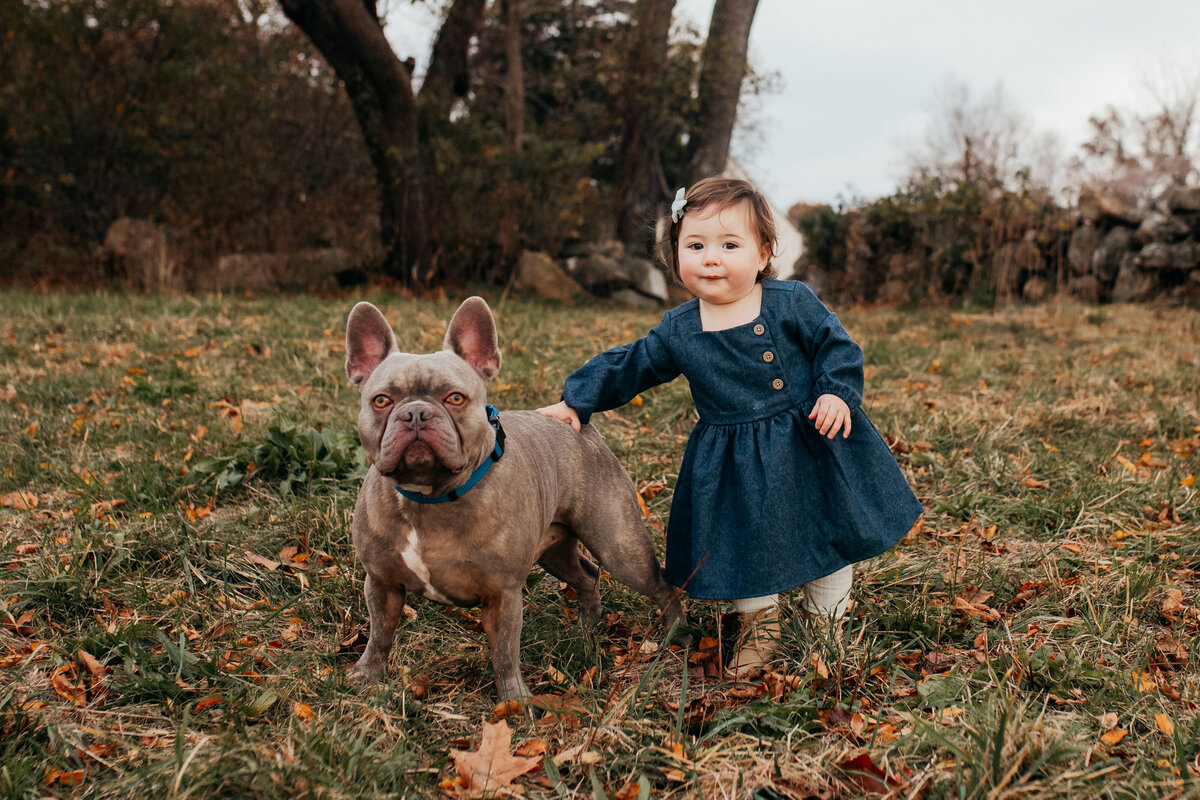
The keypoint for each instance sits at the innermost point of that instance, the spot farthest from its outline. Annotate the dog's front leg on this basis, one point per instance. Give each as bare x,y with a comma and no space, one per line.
502,624
385,604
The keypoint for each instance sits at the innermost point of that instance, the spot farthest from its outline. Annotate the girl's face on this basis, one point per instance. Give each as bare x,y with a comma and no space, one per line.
719,255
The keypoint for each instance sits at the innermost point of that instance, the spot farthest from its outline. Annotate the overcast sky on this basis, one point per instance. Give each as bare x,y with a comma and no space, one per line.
858,78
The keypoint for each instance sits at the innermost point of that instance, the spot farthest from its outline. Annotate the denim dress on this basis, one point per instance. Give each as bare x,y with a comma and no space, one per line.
764,502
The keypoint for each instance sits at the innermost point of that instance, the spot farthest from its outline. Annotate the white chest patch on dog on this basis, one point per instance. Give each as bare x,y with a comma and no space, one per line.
411,555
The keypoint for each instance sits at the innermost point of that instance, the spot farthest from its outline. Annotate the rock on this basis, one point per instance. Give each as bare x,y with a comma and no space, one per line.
300,270
1106,260
1097,206
1082,247
599,267
539,273
1087,288
1158,227
1179,256
1184,200
1133,285
1036,289
647,279
250,272
635,299
136,250
314,268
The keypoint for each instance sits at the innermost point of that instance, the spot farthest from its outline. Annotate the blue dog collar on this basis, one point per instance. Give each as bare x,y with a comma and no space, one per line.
476,476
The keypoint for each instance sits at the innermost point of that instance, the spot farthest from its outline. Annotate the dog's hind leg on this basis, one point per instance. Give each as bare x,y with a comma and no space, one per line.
565,561
617,537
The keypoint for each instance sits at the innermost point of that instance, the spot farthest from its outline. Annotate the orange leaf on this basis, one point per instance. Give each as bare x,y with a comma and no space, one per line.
1072,547
642,505
864,774
1164,724
1188,481
1113,738
209,702
507,708
304,712
492,767
1143,683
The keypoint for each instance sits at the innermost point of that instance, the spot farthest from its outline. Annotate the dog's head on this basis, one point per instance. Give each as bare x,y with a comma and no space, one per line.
423,418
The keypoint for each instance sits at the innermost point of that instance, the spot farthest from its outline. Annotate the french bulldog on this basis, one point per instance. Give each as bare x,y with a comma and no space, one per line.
458,512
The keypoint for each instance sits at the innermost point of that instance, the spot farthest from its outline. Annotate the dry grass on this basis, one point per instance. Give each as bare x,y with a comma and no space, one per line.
161,636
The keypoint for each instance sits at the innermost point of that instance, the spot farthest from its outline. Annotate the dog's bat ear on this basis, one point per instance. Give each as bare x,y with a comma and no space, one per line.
369,340
472,336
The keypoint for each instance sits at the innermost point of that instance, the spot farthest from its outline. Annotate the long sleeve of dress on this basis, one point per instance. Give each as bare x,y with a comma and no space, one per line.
616,376
837,361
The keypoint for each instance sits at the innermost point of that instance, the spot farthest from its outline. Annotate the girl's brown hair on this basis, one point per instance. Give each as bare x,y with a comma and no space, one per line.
722,193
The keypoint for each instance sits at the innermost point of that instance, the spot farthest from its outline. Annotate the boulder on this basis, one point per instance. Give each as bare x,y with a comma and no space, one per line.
635,299
136,250
1036,289
1097,206
311,269
600,267
1106,260
1133,285
1184,200
1082,248
1158,227
539,273
1087,288
647,279
1179,256
250,272
315,268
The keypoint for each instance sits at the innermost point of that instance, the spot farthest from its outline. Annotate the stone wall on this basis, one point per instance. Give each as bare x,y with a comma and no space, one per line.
1120,255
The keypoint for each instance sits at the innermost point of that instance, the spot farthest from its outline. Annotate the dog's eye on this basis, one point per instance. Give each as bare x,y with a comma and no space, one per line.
381,401
456,398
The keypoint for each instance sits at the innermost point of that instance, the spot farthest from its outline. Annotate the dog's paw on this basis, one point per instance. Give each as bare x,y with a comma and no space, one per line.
367,673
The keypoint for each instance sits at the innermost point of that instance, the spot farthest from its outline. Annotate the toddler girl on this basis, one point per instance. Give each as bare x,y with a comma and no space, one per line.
784,481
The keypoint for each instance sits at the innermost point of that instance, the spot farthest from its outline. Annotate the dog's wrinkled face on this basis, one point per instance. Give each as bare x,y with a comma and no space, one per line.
423,418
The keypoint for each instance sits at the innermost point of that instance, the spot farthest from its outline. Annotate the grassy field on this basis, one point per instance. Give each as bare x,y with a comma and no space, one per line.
179,600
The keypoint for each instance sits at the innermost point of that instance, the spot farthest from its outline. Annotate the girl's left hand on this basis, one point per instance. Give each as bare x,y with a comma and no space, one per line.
831,414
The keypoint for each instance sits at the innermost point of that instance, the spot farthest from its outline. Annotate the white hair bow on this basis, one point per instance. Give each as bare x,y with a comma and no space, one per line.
677,205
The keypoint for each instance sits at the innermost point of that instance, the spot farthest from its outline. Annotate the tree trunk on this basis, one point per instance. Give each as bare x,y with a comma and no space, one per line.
449,73
638,181
379,85
721,74
514,95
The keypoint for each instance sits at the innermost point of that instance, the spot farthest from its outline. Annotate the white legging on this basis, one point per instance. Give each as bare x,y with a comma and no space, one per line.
824,597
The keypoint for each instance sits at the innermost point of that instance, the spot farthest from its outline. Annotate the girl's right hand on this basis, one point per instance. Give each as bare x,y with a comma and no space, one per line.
562,411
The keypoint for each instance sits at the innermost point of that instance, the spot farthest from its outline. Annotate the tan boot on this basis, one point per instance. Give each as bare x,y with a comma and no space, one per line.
757,643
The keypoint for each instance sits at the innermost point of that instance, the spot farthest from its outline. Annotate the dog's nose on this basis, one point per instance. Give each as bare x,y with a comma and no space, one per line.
415,416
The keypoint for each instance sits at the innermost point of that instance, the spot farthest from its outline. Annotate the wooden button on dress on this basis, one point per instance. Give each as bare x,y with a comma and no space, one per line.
768,356
777,383
759,330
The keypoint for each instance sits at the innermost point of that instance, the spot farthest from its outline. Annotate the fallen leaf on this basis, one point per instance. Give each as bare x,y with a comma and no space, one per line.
492,767
419,686
1113,738
1164,724
1033,483
1143,683
209,702
507,708
304,712
864,775
1188,481
1107,721
818,665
